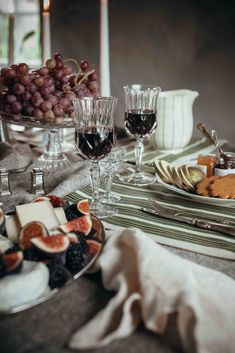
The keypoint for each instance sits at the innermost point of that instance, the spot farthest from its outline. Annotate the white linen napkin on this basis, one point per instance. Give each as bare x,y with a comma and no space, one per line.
152,283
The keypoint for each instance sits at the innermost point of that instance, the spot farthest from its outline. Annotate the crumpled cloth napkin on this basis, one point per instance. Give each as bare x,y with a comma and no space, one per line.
152,283
60,182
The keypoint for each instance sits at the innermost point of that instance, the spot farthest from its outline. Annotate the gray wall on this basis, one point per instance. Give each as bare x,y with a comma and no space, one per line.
175,44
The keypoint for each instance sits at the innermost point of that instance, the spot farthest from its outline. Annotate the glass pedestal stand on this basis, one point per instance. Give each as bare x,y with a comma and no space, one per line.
53,158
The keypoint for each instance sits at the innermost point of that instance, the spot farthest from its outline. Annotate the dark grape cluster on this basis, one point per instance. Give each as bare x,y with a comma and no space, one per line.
46,93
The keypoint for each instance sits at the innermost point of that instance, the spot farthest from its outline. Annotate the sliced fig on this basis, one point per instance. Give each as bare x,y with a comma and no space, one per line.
80,224
41,198
72,237
56,201
2,222
13,261
52,245
94,246
29,231
83,207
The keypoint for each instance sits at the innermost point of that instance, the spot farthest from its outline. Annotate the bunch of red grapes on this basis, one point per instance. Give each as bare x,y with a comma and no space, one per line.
47,93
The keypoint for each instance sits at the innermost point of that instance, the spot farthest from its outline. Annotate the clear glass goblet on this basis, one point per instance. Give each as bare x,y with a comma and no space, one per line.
140,121
94,138
109,167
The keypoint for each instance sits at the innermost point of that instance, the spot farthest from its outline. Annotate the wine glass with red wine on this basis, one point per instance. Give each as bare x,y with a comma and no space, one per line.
140,121
94,138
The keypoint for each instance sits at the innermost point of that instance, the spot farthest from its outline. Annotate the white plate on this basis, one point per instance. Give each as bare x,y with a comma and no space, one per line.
198,198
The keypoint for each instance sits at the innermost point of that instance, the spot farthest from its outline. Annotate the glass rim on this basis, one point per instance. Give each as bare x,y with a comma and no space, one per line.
143,87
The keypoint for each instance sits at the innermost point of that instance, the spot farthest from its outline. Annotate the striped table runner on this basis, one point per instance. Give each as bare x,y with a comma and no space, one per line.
164,231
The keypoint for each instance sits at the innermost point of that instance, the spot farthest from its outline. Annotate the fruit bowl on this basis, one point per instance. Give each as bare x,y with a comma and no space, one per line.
30,121
65,256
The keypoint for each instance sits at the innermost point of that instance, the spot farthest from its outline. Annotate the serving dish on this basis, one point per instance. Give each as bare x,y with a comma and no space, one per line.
202,199
97,235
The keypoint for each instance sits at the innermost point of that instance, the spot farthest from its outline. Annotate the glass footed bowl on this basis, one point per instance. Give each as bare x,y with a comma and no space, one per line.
53,158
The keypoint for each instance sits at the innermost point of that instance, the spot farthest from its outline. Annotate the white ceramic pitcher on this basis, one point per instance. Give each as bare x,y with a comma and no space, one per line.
175,120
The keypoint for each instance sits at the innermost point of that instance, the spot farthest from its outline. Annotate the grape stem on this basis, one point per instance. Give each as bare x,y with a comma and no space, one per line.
84,75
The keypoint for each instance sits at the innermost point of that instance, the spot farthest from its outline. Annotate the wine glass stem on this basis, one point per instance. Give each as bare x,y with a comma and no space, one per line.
108,186
139,148
53,148
95,181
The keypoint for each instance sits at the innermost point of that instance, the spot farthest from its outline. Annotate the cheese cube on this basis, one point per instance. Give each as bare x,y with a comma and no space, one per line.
38,211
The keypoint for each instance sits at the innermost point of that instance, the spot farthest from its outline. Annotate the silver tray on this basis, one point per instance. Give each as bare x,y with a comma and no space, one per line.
99,235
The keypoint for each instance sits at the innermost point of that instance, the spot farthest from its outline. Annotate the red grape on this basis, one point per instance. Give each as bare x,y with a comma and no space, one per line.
26,96
64,102
84,65
31,87
52,88
50,64
45,91
23,68
59,64
10,98
52,99
36,101
25,79
70,95
16,107
58,110
93,85
37,113
18,88
49,115
93,76
67,70
58,74
43,71
39,81
58,56
28,109
9,73
45,106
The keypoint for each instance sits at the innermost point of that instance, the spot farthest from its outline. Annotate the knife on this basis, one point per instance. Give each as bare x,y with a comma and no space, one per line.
192,221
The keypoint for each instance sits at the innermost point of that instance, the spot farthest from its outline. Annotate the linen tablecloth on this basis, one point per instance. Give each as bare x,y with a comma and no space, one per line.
161,230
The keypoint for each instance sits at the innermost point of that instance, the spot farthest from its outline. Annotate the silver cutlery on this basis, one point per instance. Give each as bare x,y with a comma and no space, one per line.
175,212
192,221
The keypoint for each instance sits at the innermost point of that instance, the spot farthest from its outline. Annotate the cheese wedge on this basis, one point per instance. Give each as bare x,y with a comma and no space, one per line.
60,214
39,211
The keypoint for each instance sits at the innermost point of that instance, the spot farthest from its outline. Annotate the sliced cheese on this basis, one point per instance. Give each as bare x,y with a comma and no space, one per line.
59,211
39,211
13,227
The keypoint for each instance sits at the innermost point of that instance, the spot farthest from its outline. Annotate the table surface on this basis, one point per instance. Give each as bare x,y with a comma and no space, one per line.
48,327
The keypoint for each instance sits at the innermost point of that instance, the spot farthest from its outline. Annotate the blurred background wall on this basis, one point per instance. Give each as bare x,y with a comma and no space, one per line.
175,44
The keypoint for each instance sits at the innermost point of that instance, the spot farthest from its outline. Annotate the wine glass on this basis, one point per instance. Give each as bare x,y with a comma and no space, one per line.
109,167
94,138
140,121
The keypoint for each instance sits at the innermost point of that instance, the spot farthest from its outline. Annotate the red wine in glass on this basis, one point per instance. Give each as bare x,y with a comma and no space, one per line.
140,123
94,142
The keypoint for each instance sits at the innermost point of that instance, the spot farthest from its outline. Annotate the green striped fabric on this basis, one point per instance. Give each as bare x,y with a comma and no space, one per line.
164,231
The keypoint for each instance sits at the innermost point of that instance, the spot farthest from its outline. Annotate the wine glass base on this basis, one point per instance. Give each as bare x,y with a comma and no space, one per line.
49,163
112,198
139,179
103,211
